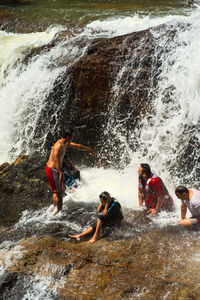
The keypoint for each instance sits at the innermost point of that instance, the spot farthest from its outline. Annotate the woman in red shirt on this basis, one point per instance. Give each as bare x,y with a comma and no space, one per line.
153,191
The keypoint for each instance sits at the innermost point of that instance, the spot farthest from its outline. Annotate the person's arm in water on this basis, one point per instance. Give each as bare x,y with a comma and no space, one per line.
81,148
159,203
183,211
140,197
186,222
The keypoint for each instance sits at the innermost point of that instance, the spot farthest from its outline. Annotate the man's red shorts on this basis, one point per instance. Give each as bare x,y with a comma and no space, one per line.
53,179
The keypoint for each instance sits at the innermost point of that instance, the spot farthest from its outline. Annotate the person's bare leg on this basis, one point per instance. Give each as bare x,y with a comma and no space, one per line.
98,227
78,236
72,189
59,202
54,200
185,222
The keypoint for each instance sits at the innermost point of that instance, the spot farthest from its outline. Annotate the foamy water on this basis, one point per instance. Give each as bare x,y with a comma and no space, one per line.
125,25
24,89
9,257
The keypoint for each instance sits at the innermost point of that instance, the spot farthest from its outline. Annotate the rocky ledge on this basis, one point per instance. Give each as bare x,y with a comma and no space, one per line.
158,265
23,186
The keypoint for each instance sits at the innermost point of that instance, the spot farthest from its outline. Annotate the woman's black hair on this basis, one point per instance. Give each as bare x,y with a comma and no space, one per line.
146,168
181,189
104,195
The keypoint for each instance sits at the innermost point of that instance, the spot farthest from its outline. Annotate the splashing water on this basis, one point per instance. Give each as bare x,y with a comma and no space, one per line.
160,140
167,138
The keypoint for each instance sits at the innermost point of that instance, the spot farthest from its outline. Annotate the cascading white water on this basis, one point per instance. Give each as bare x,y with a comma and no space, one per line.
176,113
165,133
24,89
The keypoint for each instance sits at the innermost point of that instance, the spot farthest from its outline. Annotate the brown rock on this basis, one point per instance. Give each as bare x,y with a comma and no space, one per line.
152,266
22,186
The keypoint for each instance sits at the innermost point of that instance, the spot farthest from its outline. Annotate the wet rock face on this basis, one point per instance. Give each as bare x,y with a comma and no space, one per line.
110,84
85,92
23,186
152,266
100,103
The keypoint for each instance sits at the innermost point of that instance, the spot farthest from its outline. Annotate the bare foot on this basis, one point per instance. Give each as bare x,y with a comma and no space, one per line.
92,240
72,189
77,237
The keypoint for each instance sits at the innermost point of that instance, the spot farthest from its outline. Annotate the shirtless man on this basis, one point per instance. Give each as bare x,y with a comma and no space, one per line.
54,171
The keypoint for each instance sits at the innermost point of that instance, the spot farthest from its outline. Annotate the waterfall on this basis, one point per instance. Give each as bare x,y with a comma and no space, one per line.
25,86
166,138
170,135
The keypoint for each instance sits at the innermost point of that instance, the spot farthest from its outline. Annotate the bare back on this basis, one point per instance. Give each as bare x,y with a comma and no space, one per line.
56,155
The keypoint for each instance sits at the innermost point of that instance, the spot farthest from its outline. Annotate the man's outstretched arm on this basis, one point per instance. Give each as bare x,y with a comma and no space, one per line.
81,147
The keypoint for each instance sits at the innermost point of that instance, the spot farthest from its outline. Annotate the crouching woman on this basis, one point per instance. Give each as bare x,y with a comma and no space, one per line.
109,214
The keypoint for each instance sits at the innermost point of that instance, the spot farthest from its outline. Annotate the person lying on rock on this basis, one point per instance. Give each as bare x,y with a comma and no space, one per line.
54,170
109,214
152,191
190,199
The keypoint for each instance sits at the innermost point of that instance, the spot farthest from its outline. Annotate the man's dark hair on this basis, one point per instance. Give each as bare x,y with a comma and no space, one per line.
181,189
104,195
146,168
68,133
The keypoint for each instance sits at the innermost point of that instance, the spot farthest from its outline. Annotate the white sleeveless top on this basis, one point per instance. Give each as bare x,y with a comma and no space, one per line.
194,203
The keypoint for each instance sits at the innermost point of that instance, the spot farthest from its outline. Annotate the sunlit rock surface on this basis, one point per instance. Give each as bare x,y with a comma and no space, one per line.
155,265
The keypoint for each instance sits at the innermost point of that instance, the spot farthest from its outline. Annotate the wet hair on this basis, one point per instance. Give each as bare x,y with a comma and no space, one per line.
146,169
181,189
104,196
68,133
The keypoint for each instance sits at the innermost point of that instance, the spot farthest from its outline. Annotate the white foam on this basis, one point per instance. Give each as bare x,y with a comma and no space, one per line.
25,88
43,286
9,257
44,217
125,25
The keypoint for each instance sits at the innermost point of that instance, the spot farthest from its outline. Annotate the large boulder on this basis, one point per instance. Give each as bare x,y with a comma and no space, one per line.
23,186
83,96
